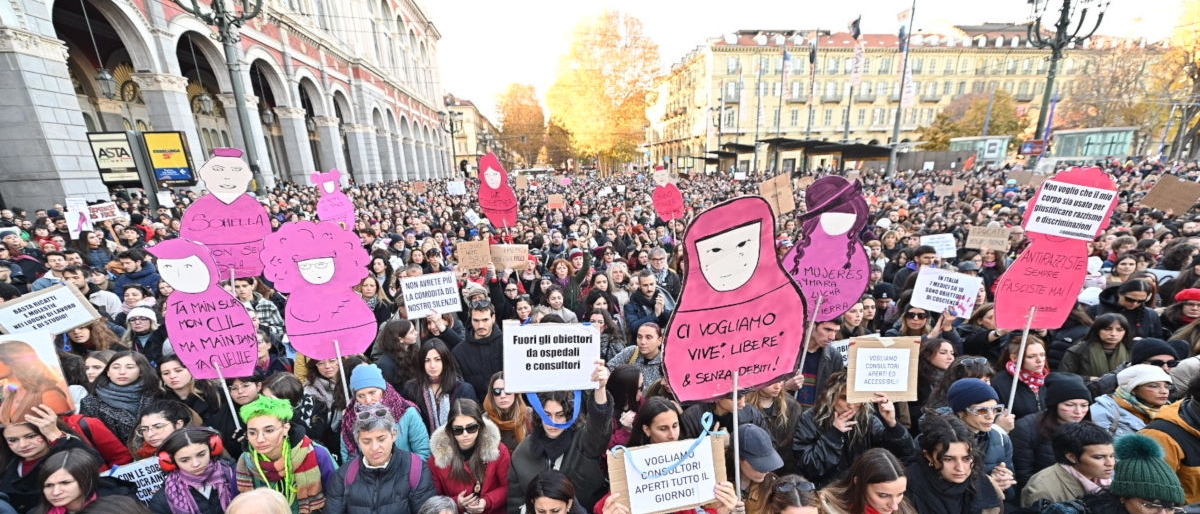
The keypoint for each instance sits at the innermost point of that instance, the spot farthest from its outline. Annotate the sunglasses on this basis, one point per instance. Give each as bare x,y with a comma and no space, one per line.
470,429
1160,363
480,304
1161,508
372,413
1134,301
984,411
916,315
972,361
787,487
498,391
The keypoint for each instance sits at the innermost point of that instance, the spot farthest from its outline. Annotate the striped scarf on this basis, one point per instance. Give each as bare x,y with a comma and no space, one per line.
296,474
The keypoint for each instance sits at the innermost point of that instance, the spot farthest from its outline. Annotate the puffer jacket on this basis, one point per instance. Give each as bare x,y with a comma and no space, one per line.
1119,421
1177,430
385,490
494,483
1031,452
824,455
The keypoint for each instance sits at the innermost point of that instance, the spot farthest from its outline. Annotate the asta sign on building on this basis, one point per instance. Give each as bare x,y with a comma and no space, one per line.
114,157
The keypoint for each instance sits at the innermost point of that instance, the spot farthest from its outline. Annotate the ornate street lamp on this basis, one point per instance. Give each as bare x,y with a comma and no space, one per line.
104,78
1073,17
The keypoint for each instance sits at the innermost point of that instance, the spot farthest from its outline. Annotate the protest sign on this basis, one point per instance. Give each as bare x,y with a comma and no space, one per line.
456,188
1172,193
75,203
882,365
333,205
522,182
640,476
943,243
739,175
958,185
937,290
228,220
77,222
473,254
608,190
146,473
556,202
104,211
668,199
565,181
472,216
513,257
988,237
828,260
420,187
738,310
778,192
56,309
31,375
1021,176
432,293
1070,210
549,357
842,348
620,189
943,190
804,182
164,199
497,199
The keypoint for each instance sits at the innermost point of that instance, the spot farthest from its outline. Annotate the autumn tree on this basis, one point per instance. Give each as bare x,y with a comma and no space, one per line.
1179,74
522,121
967,115
600,95
558,144
1114,90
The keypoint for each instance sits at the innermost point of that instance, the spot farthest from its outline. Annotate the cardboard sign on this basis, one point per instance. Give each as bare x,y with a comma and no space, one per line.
804,182
230,222
56,309
456,188
550,357
318,264
146,473
208,327
943,190
990,238
829,261
522,182
958,185
638,475
937,290
1174,194
738,310
556,202
778,192
739,175
31,375
420,187
333,205
436,293
884,365
513,257
496,198
943,243
105,211
77,222
1070,210
1022,177
473,254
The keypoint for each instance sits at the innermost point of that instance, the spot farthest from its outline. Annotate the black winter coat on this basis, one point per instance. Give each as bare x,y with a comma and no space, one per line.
582,463
825,455
1031,453
25,490
379,491
1144,321
479,359
1026,403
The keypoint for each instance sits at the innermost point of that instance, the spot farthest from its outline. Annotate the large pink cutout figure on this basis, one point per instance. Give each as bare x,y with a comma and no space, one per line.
829,260
207,326
318,264
334,205
231,223
1068,211
496,197
668,200
738,309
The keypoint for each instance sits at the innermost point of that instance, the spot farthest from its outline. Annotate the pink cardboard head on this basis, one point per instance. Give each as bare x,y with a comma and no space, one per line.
230,222
228,152
496,197
333,205
738,309
828,260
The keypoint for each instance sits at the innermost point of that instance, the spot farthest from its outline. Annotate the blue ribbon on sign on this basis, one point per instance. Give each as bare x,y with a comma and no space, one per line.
66,343
706,422
536,403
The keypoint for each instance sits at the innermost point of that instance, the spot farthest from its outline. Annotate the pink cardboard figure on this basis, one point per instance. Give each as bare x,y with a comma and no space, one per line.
668,200
1068,211
496,197
207,325
318,264
231,223
829,260
738,310
334,205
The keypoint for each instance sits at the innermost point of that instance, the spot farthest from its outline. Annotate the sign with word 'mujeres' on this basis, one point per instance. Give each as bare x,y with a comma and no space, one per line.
433,293
56,309
550,357
668,477
882,365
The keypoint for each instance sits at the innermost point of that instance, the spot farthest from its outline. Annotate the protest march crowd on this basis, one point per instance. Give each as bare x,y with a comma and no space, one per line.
1097,414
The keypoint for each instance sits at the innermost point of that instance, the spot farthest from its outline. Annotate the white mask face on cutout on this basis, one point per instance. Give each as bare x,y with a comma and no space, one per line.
492,177
837,223
729,259
316,271
189,275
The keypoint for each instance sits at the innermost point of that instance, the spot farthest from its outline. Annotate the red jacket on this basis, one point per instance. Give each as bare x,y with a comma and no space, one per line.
495,480
98,436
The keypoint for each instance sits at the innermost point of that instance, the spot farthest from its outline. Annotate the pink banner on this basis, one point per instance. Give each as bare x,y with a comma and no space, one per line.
231,223
334,205
829,261
496,197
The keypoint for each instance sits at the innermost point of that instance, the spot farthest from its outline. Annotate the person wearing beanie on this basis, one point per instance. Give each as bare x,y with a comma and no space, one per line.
1147,350
1177,430
976,403
1084,461
1184,310
1106,346
295,467
1142,389
1142,483
1067,401
944,479
367,386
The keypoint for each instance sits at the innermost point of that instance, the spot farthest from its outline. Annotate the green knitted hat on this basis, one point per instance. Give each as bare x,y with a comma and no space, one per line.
1142,473
267,406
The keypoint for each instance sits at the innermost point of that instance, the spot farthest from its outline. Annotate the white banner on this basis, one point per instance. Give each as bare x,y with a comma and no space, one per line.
433,293
550,357
937,290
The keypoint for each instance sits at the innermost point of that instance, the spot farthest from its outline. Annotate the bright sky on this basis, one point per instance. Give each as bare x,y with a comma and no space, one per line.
488,44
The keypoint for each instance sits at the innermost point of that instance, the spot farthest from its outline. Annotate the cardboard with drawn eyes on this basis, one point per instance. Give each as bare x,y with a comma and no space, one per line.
31,375
318,264
828,260
1060,222
738,309
496,198
230,222
334,205
207,326
668,200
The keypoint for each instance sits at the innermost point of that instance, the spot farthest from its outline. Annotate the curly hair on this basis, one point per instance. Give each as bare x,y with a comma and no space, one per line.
304,240
266,406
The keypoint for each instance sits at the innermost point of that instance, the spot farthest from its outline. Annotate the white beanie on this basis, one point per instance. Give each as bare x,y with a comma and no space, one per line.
142,312
1132,377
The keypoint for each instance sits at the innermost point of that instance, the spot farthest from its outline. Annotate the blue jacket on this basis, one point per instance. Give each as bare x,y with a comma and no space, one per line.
147,276
413,436
637,315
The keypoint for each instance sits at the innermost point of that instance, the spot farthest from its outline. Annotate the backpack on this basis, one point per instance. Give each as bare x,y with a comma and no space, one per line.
414,471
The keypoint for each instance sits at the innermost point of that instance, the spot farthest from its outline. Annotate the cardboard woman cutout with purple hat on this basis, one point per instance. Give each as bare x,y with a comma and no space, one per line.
668,199
496,197
231,223
318,264
334,205
829,261
207,325
738,311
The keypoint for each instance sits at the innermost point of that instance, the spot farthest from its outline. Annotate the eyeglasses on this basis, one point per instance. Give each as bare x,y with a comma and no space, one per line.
1161,509
479,305
916,315
789,486
984,411
142,430
372,413
1161,363
138,319
513,290
1134,301
972,361
498,391
1191,305
470,429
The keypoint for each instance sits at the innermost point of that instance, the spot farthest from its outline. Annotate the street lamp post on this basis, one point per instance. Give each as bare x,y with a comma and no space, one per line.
227,22
1068,31
449,121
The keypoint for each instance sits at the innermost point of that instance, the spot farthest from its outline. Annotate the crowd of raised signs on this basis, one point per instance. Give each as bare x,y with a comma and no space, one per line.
295,350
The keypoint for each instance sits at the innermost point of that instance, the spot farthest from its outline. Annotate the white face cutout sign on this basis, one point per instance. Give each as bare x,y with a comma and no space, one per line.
330,186
728,259
837,223
316,271
661,177
189,275
492,177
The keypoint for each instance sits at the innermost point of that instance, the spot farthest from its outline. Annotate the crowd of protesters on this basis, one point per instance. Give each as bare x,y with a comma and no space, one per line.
1106,416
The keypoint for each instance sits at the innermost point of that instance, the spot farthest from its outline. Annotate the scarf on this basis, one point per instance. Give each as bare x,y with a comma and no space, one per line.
146,451
1100,362
63,509
296,474
548,449
646,303
321,389
1033,381
438,407
1089,486
517,425
372,302
218,475
1126,400
127,398
391,399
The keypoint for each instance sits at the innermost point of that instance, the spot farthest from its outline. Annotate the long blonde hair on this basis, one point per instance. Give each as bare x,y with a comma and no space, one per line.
824,411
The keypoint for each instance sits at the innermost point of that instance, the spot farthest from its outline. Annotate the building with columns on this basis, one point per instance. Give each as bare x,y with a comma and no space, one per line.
347,84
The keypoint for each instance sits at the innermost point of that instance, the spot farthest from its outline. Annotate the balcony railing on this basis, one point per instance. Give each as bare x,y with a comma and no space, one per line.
832,99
